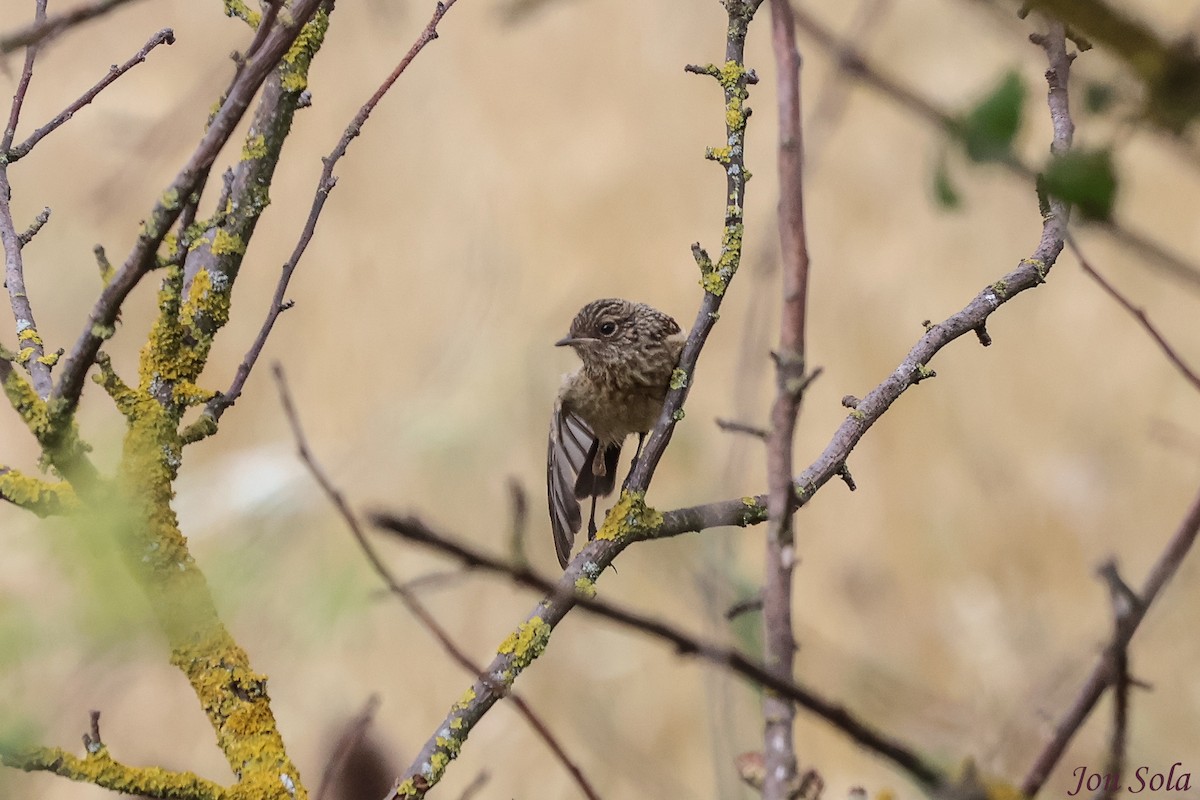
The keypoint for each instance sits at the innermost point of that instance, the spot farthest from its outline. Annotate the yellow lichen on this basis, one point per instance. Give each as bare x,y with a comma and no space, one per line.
224,243
525,644
254,147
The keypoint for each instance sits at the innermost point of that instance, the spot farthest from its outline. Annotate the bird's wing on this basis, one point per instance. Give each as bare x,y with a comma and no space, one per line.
570,442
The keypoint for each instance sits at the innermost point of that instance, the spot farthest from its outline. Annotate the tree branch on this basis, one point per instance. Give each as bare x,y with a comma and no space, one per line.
406,595
563,594
165,36
734,79
166,211
1103,674
854,63
1172,355
216,407
31,352
779,751
43,29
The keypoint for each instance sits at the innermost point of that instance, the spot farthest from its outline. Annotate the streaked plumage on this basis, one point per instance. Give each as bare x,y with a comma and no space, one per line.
628,352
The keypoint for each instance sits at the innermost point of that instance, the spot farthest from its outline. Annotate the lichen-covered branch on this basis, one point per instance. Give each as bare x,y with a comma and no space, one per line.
290,45
564,593
734,79
98,768
206,425
44,498
630,518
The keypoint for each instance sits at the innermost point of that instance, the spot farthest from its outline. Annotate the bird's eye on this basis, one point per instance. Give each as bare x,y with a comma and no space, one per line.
608,328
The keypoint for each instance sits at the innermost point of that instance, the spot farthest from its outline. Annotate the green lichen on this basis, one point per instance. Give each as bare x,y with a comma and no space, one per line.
678,414
923,372
170,199
225,243
735,117
630,519
585,587
524,645
679,379
38,496
753,512
295,63
857,414
255,147
713,283
29,335
722,155
24,354
50,359
731,75
1039,265
102,331
1000,288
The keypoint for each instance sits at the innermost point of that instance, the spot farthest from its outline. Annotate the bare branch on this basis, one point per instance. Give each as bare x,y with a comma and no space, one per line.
733,426
222,402
410,601
1102,674
43,29
1172,355
564,593
31,351
779,752
854,63
38,223
1123,602
165,36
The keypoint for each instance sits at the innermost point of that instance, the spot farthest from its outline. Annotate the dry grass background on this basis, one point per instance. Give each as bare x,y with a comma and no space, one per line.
517,171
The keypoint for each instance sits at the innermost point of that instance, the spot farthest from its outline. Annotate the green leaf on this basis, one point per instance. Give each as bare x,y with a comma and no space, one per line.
944,191
1098,97
1087,180
990,127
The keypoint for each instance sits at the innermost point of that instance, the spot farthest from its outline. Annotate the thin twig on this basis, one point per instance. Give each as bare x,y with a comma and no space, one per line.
733,426
222,402
165,36
166,211
779,752
1123,602
413,529
43,29
1172,355
854,63
1102,675
715,276
38,223
410,601
31,350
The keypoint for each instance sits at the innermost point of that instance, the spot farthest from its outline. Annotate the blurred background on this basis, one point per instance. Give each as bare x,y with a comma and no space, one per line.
532,159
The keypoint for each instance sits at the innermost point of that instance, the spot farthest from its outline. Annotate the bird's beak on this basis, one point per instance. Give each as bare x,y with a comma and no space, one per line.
568,341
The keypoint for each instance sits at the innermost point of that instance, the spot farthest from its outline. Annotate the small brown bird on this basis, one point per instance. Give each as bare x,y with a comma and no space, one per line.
629,351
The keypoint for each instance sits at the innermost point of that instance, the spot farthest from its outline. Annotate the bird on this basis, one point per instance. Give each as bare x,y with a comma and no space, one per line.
628,352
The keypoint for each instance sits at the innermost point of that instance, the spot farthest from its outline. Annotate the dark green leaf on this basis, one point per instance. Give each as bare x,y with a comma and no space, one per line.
944,192
1084,179
1098,97
989,129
